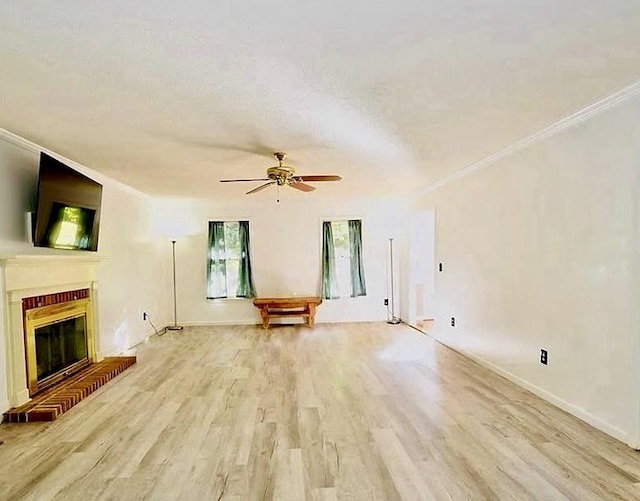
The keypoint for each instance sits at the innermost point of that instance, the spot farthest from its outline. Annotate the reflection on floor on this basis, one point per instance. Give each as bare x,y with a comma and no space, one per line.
425,325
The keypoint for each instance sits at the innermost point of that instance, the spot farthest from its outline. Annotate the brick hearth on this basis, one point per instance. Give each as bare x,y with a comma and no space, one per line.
48,405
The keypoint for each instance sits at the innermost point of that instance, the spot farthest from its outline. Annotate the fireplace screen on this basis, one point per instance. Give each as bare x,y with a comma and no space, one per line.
60,346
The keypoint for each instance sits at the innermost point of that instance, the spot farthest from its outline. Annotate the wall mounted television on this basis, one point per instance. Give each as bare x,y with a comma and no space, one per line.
68,208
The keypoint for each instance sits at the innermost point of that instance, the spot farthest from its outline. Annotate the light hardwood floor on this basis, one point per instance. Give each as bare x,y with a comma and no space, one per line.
351,411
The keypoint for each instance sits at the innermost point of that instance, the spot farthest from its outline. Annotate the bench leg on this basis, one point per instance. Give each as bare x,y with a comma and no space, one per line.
311,319
265,318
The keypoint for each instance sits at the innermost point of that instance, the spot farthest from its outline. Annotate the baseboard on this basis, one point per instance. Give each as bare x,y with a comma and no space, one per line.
259,322
220,322
634,445
572,409
157,332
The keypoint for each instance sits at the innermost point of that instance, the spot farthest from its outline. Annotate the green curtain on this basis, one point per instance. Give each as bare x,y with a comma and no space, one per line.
217,269
329,280
246,288
358,286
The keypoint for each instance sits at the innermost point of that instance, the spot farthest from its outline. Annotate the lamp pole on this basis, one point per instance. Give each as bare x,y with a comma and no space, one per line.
394,320
175,326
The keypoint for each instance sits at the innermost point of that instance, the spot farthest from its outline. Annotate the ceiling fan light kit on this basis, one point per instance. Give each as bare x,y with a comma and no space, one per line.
284,175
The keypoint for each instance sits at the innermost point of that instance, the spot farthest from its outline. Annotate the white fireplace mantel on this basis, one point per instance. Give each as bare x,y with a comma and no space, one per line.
40,272
35,275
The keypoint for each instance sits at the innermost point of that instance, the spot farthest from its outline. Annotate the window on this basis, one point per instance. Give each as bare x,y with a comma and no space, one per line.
342,269
69,227
229,261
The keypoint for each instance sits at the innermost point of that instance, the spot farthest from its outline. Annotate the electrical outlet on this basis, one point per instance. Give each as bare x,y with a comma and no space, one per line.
544,358
453,321
386,301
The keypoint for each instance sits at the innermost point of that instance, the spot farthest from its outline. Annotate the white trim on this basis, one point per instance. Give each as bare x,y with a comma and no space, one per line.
146,339
635,391
48,260
17,295
572,409
20,398
221,323
231,219
635,349
553,129
32,147
20,142
258,322
5,405
339,219
223,300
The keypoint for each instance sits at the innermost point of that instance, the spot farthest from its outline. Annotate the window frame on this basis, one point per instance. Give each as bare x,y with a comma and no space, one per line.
341,219
207,250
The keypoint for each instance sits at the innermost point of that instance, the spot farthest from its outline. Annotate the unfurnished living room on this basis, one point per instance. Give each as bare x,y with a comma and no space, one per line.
321,251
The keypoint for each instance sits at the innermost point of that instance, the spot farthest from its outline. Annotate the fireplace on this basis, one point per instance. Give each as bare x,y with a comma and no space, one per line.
50,314
57,337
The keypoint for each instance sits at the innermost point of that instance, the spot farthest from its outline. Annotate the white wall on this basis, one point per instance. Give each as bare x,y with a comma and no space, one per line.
541,250
285,247
134,273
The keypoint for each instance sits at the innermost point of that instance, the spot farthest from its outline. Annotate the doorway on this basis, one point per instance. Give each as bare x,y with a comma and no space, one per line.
421,283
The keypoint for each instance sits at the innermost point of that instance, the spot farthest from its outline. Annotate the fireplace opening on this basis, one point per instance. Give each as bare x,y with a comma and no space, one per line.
58,337
61,348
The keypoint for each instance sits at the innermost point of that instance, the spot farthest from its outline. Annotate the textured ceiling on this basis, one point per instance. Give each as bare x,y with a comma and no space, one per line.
172,97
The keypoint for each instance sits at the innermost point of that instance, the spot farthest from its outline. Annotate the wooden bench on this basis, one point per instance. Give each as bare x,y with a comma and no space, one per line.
272,307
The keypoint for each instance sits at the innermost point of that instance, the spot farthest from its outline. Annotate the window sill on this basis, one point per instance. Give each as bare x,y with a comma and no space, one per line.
228,299
344,298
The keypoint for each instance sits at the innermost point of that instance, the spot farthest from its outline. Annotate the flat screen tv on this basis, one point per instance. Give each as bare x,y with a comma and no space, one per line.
68,208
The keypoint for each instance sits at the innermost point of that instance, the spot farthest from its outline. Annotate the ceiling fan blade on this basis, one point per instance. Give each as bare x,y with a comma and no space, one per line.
262,187
319,178
302,186
242,180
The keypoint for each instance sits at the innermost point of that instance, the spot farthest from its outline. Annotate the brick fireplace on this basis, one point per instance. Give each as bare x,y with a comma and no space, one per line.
50,324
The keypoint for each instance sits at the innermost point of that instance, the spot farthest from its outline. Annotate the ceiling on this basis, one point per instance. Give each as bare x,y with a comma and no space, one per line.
171,97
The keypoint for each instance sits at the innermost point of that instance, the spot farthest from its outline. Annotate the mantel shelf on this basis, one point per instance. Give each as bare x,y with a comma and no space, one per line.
49,260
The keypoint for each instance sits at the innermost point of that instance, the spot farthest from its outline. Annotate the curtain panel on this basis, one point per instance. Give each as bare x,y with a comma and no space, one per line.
246,287
358,286
217,265
329,280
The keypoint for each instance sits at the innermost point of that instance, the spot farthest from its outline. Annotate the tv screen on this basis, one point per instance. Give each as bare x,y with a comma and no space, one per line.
68,208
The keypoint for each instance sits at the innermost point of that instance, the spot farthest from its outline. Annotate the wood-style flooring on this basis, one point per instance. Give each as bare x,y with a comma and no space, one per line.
349,411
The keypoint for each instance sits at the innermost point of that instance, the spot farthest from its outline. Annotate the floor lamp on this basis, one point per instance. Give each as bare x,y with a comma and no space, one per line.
175,326
394,320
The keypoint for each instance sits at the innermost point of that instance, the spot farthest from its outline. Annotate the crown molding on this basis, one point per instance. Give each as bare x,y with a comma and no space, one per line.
32,147
21,142
566,123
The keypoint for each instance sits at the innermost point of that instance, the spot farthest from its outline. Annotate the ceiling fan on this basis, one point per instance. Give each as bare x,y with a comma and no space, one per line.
284,175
